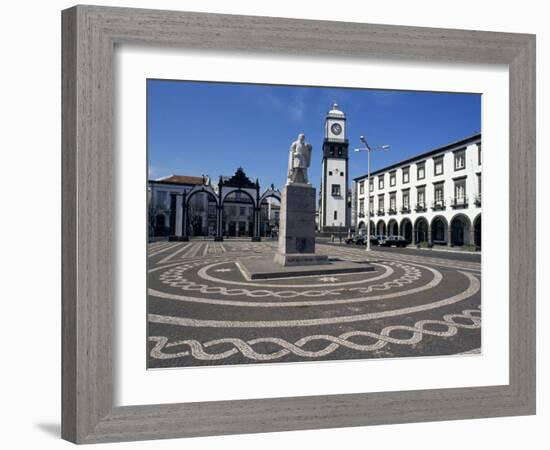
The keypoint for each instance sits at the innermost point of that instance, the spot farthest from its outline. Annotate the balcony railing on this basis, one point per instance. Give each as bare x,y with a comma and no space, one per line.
420,207
459,202
361,215
380,212
405,209
438,205
392,211
477,199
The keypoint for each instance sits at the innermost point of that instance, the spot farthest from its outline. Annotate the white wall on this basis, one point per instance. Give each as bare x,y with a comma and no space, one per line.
338,203
30,328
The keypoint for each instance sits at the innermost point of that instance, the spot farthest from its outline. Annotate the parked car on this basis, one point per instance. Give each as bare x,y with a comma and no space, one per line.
361,239
398,241
357,239
380,239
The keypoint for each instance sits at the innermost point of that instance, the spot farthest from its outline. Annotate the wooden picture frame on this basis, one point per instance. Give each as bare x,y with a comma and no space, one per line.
90,34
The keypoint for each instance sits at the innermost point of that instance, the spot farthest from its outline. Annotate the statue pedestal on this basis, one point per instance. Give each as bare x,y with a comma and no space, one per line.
297,227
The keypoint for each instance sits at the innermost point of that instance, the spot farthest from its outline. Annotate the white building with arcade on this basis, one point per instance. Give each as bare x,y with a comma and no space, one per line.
433,198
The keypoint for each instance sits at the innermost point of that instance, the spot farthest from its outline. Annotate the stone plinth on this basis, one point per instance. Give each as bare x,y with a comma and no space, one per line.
300,259
297,227
265,268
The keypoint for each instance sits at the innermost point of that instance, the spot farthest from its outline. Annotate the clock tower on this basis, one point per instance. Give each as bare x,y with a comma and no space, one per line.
334,214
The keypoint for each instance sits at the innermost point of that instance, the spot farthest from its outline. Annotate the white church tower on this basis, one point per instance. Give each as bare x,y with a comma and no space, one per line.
333,208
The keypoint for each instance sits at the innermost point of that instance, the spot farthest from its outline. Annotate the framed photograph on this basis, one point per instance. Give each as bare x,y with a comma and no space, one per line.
266,229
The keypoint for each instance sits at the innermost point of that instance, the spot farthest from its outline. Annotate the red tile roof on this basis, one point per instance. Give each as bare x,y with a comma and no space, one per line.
181,179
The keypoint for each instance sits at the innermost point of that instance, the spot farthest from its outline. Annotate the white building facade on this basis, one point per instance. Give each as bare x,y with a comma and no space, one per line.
433,198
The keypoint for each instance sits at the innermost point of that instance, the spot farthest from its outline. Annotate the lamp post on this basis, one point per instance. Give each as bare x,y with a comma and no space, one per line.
367,148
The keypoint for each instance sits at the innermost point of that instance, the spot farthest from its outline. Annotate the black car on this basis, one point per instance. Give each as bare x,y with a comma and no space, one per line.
398,241
361,239
357,239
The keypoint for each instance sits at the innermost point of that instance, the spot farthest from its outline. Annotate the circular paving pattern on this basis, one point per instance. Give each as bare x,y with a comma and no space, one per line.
202,310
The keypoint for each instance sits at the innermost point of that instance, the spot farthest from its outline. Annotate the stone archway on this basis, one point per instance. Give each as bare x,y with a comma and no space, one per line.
477,231
421,229
406,229
201,213
460,230
381,228
393,228
238,214
269,216
439,230
268,213
372,228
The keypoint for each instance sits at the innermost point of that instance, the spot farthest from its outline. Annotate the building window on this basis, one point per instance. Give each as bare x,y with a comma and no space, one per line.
161,198
438,166
242,211
362,187
420,171
479,154
335,215
339,151
405,175
460,189
392,178
478,195
361,207
421,197
371,185
336,190
460,193
381,203
392,202
371,205
460,160
381,182
341,174
330,172
438,195
406,200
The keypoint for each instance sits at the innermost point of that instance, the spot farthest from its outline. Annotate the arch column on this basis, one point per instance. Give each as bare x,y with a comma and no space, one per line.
256,225
449,234
184,234
172,217
430,241
179,215
219,234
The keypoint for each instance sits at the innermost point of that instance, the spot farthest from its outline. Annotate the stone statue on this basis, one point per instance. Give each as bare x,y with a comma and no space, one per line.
299,159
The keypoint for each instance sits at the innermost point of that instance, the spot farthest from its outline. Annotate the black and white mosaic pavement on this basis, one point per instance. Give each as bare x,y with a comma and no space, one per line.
203,311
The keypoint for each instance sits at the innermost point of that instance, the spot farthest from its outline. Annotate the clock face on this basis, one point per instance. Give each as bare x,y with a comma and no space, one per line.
336,128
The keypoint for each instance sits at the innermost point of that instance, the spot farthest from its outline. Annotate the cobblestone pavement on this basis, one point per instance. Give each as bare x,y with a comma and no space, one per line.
203,311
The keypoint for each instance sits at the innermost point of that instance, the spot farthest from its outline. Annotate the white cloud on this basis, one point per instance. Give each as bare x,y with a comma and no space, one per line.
297,109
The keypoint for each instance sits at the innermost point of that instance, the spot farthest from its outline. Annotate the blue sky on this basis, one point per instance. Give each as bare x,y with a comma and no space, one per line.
197,128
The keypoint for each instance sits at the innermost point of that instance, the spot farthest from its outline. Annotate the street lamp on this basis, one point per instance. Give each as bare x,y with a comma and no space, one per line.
367,148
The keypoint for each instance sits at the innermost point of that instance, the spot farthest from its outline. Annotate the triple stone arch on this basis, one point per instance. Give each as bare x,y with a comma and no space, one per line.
220,199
